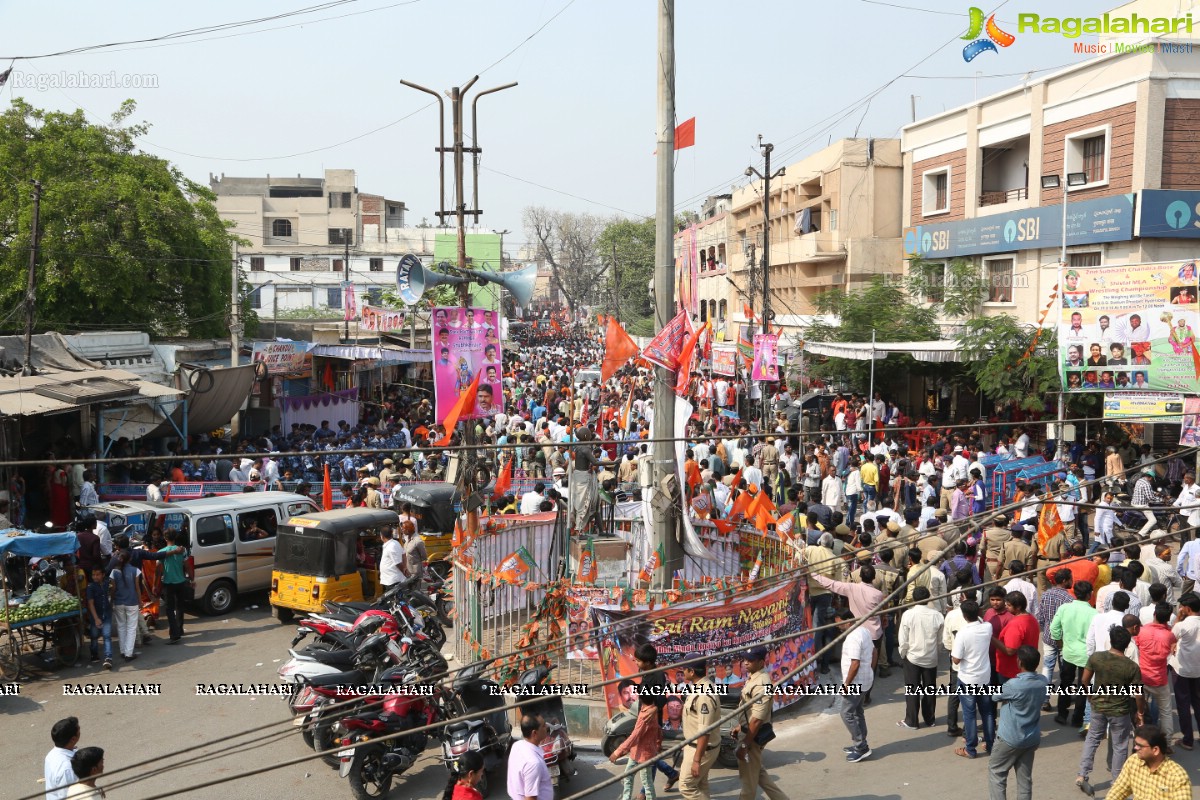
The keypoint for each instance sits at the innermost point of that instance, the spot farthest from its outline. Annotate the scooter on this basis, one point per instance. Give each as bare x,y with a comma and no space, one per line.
620,725
557,748
490,735
395,600
318,660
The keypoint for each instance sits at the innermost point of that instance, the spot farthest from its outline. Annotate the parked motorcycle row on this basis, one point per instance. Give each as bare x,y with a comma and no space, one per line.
373,670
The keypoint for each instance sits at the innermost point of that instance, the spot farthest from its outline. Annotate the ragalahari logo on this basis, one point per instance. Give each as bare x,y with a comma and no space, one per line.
995,36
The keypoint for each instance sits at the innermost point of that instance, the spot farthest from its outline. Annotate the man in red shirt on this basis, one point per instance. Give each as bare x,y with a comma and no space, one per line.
1022,628
1155,642
997,616
1082,568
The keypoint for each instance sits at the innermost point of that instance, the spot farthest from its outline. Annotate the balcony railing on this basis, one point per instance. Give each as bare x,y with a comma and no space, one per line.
1007,196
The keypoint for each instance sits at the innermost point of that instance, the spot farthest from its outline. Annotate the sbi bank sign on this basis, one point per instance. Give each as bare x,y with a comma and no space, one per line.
1104,219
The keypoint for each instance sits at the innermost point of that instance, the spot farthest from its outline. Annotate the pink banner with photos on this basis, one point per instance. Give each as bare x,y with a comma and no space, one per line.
766,357
382,319
466,342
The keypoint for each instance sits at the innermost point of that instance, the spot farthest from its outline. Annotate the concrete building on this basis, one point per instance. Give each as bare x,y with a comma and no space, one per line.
708,242
985,182
835,223
300,229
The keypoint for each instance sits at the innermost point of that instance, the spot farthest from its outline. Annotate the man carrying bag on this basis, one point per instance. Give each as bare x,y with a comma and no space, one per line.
756,730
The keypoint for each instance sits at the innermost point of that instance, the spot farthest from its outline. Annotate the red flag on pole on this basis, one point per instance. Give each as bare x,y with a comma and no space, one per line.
685,360
685,134
503,480
554,324
618,348
327,492
464,403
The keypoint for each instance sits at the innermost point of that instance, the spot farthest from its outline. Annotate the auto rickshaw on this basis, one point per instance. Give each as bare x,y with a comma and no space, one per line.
328,556
436,505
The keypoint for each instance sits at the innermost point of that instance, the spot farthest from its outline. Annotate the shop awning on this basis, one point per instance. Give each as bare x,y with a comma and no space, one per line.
52,392
390,355
937,351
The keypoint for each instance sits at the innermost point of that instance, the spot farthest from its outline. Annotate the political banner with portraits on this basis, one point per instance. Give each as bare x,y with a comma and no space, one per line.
685,630
466,342
1129,328
724,361
766,357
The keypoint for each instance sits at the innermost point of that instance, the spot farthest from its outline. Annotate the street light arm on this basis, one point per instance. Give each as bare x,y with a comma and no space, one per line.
475,143
441,144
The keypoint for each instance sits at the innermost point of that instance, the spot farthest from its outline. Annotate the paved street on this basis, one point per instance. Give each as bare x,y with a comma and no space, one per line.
247,647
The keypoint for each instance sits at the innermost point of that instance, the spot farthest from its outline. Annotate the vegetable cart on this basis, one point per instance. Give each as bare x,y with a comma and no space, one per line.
49,621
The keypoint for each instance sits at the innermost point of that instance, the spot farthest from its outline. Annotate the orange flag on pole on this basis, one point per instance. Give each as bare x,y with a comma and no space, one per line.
464,404
685,360
327,492
685,134
503,480
618,348
1049,525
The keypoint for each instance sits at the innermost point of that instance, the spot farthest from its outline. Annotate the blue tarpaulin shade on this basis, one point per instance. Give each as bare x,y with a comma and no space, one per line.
37,545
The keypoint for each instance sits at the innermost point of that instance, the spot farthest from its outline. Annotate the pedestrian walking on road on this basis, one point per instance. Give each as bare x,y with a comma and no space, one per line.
126,606
756,723
858,677
175,584
461,785
1020,728
700,711
528,776
1115,714
1151,774
642,744
57,770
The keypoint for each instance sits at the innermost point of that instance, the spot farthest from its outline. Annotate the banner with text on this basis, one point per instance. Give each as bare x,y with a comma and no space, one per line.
663,350
1143,406
466,341
1189,433
766,357
685,630
724,361
1129,328
283,358
383,320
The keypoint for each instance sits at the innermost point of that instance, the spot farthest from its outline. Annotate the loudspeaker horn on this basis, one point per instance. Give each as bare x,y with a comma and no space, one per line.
412,279
520,284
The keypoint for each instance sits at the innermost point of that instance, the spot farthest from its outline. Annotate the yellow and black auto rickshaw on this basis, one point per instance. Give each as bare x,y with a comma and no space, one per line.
328,556
435,504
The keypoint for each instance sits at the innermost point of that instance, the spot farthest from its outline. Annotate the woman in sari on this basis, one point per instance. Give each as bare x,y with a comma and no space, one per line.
60,497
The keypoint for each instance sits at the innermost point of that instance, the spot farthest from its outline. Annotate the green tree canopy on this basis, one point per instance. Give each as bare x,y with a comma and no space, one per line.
996,362
126,239
626,248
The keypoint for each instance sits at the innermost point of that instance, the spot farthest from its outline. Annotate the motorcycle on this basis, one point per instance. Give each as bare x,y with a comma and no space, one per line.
557,748
490,735
395,600
371,766
374,651
620,725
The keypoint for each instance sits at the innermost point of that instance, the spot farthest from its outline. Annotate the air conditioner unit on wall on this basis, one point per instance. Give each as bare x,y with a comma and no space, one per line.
838,279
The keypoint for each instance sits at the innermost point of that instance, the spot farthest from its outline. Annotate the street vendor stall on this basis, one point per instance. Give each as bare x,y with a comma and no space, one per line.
45,620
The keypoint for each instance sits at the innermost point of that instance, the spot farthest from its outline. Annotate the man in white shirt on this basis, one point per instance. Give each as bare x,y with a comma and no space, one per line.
1097,635
752,474
831,490
1021,585
528,775
531,500
58,773
391,562
970,655
857,652
920,633
153,493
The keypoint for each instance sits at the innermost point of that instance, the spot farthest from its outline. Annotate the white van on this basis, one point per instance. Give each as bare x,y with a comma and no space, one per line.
232,537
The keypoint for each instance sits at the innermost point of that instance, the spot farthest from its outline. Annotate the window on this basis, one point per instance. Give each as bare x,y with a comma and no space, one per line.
935,197
294,263
281,227
934,281
376,265
256,525
375,295
256,298
339,199
300,509
1088,152
1083,259
999,275
334,297
393,210
337,264
340,236
258,263
214,530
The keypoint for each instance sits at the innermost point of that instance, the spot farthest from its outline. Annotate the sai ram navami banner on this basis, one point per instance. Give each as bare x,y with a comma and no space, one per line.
466,342
685,630
1129,328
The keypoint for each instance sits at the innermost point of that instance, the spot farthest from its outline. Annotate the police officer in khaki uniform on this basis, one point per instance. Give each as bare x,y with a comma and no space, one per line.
374,498
700,710
1016,549
756,697
994,538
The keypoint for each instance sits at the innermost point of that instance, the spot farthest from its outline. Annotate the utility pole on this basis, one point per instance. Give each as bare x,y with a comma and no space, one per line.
664,287
346,288
31,286
767,316
235,311
616,285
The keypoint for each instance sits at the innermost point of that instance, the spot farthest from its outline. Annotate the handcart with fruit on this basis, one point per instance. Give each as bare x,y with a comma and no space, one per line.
38,616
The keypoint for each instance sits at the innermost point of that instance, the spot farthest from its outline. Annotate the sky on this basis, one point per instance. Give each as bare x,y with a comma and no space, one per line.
307,92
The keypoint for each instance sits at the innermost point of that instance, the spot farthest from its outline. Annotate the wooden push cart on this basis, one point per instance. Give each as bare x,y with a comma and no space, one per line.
56,637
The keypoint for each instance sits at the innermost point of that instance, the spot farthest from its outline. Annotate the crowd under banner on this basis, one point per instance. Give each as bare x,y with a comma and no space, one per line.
686,630
466,342
1129,328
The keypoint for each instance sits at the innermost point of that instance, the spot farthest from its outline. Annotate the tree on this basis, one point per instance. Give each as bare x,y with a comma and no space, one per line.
955,288
995,349
126,239
882,307
626,249
570,245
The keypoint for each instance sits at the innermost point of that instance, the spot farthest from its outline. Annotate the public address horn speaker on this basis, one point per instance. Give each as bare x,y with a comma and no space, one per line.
412,279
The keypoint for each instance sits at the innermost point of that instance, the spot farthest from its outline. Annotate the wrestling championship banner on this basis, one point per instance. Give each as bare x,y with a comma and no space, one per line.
685,630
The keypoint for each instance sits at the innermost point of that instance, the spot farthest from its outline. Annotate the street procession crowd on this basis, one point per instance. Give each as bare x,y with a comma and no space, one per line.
1078,597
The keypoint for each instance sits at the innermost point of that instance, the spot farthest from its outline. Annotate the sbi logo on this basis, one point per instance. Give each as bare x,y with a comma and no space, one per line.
1178,213
1010,231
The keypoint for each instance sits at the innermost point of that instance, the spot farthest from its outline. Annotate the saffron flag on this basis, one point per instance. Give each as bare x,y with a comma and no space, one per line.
588,570
465,401
503,480
618,348
685,361
652,564
741,505
627,413
663,350
456,540
554,324
783,527
757,568
327,492
685,134
1049,525
514,565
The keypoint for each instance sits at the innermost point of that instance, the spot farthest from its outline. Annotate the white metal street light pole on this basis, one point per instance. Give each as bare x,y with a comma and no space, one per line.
1054,182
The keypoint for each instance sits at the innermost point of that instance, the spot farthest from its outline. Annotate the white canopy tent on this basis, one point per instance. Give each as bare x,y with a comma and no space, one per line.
937,351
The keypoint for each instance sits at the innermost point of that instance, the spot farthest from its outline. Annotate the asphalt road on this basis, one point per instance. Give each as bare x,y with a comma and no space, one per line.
248,646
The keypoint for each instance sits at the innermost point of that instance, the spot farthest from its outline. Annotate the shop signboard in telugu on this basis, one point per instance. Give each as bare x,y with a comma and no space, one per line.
1143,406
1129,328
282,358
683,630
1103,219
467,342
